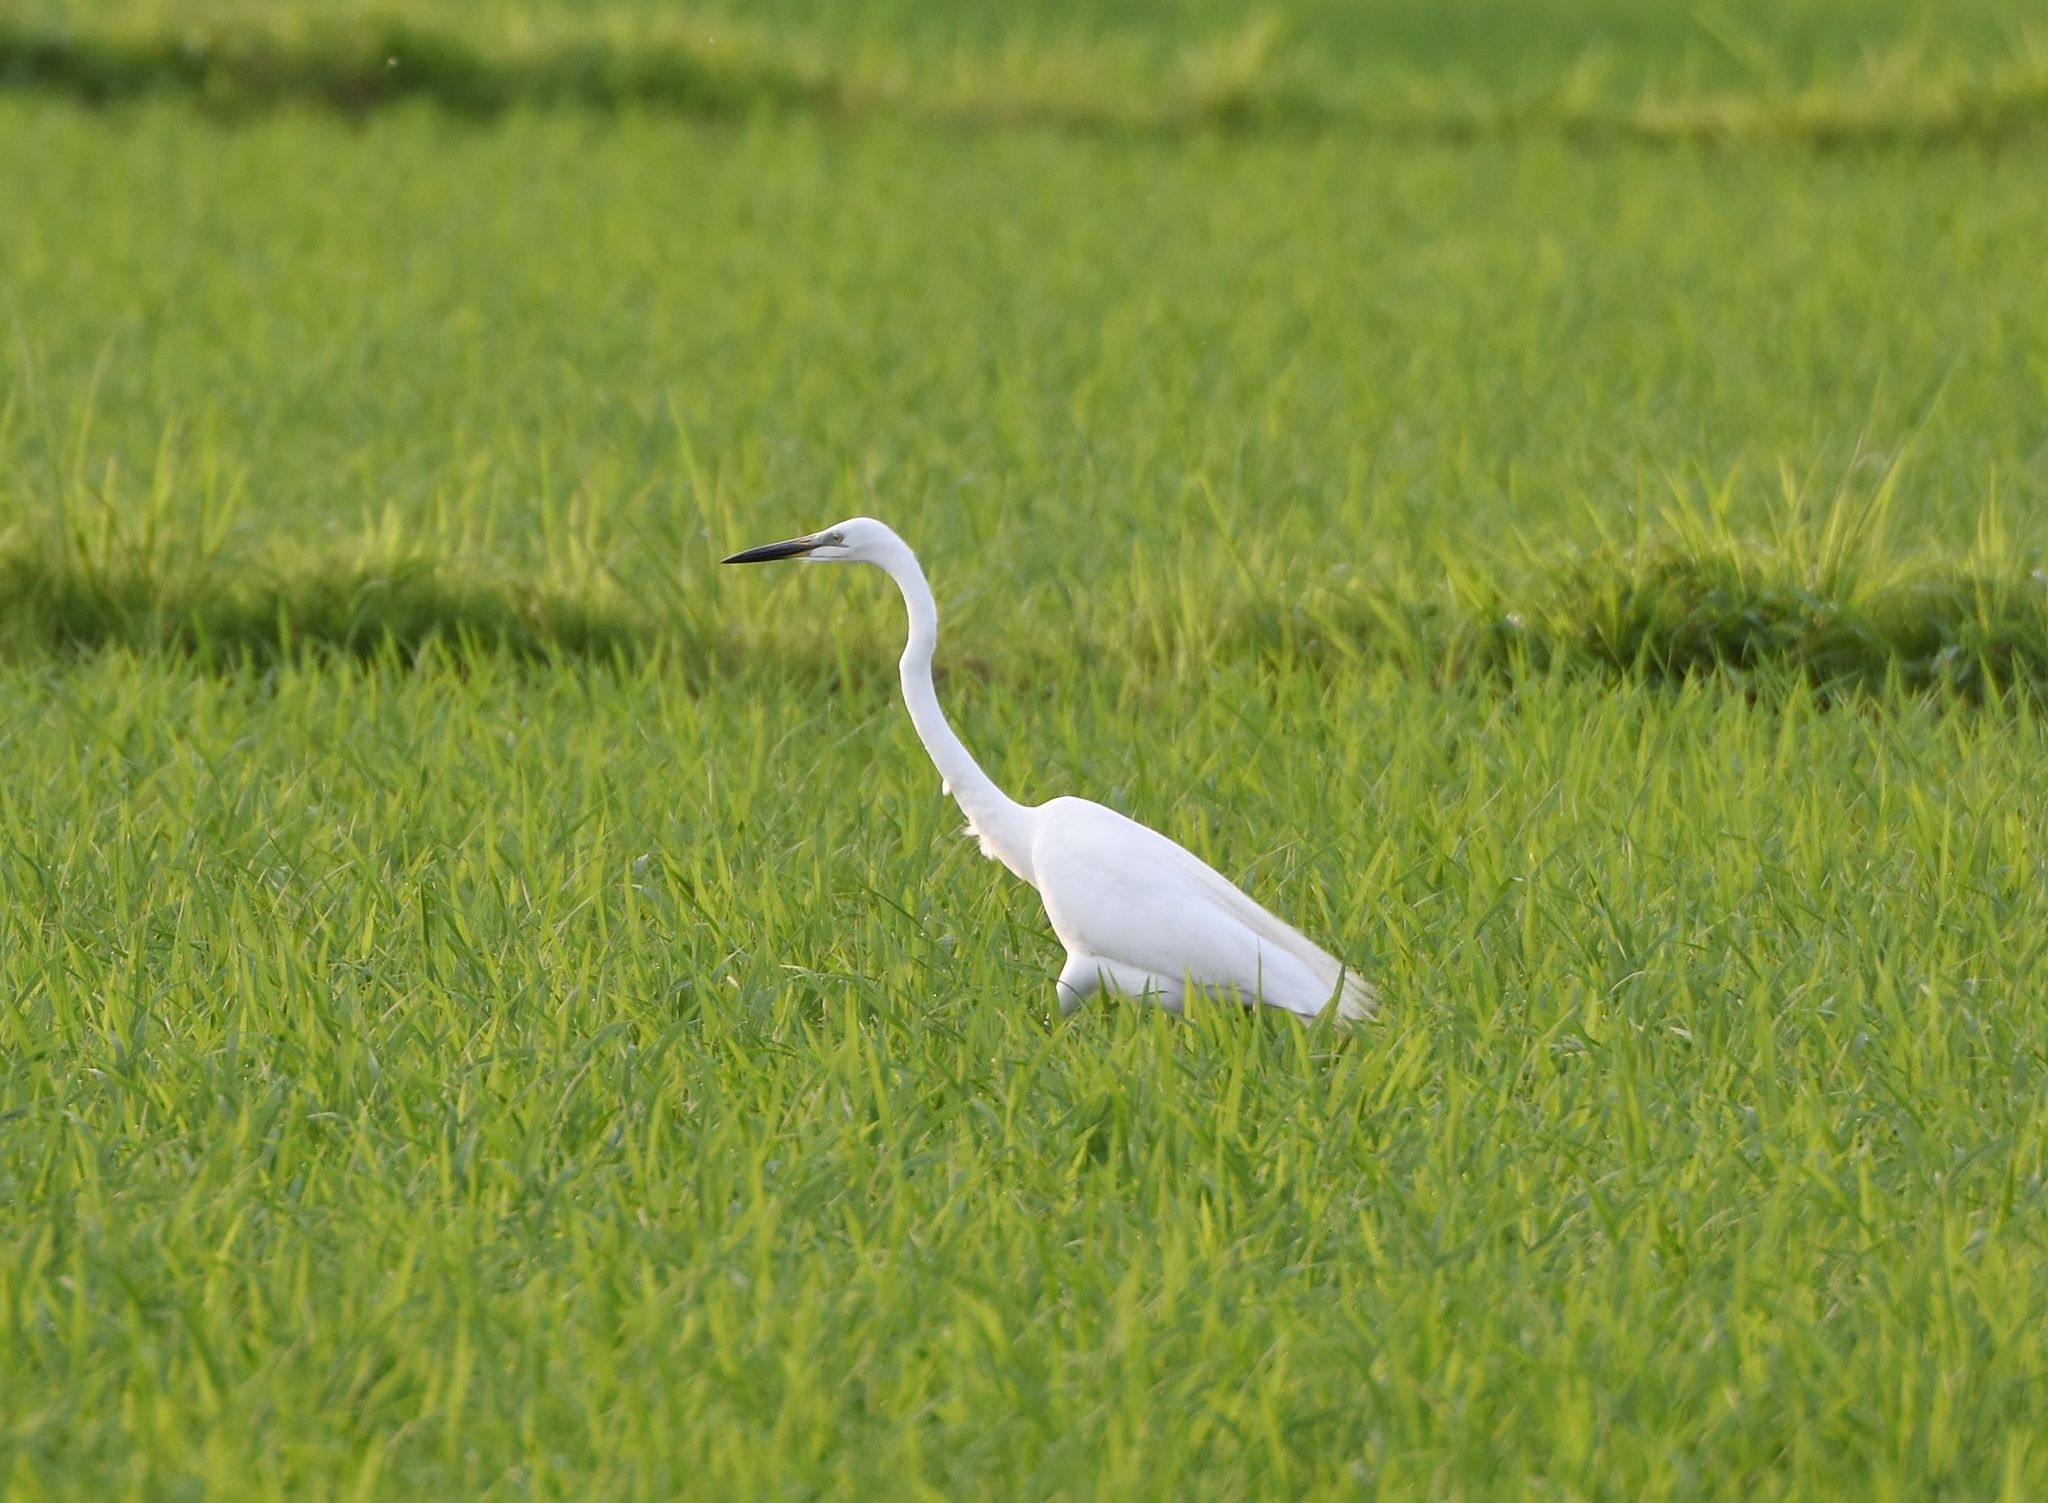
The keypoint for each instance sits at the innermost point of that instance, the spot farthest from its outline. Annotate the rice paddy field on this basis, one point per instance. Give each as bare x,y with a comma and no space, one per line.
1551,498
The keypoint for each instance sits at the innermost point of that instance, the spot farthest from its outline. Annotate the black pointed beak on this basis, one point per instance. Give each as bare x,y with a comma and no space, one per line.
768,552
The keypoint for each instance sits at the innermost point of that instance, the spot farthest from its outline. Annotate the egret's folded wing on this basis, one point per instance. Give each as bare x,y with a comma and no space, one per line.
1115,889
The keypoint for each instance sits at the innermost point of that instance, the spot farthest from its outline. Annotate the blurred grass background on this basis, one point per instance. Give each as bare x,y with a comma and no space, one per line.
1834,72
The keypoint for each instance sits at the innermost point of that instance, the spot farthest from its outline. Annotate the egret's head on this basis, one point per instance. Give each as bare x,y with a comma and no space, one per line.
857,540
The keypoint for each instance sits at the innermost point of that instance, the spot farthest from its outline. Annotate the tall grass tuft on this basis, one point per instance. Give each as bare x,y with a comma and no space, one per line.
1821,600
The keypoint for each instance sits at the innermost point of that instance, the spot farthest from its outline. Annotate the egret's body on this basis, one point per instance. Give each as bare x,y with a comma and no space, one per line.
1137,913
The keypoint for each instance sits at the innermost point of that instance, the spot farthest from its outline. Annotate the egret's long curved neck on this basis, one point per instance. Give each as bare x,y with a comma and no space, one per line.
1003,824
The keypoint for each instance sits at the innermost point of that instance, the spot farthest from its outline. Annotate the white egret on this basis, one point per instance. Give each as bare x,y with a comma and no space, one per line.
1137,913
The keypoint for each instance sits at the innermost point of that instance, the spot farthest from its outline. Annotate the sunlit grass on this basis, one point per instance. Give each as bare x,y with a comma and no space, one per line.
583,1084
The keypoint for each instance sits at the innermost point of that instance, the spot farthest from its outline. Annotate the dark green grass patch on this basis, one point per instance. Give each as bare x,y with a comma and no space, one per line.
1232,80
1675,615
349,612
389,62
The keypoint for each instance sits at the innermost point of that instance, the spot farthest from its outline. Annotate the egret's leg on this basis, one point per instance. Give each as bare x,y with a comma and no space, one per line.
1080,979
1085,975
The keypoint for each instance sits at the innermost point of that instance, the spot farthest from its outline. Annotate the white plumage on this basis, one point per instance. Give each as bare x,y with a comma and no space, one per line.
1137,913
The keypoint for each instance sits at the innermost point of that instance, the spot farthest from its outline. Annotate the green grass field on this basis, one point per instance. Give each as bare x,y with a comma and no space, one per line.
492,1006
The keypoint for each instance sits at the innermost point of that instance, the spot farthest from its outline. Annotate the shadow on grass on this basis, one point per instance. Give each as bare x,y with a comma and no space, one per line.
379,63
1658,615
396,615
1232,82
1662,615
1676,616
